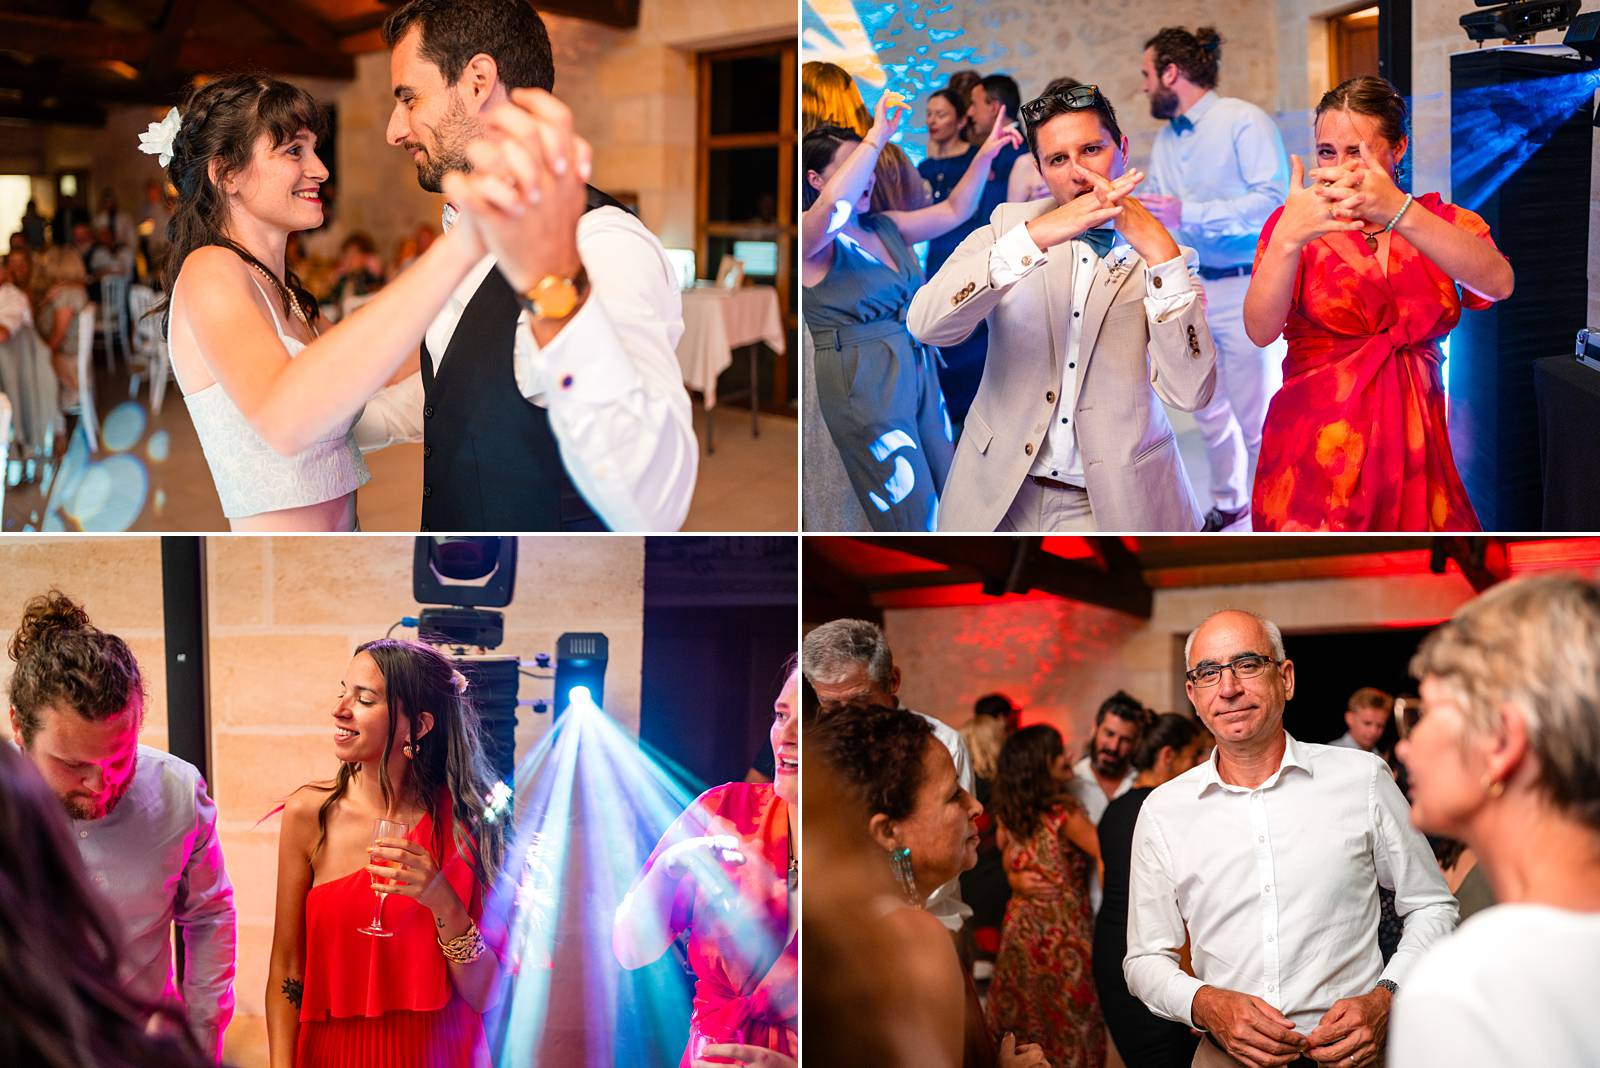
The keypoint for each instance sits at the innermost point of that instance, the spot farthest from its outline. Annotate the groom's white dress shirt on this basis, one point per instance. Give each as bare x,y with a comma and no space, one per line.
610,379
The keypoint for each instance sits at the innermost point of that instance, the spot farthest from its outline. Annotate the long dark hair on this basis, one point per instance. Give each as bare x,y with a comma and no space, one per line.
418,678
1024,789
64,1004
222,120
63,659
816,152
1167,729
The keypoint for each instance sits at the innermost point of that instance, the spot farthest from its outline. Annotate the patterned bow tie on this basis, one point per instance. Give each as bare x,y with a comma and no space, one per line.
1181,125
1100,239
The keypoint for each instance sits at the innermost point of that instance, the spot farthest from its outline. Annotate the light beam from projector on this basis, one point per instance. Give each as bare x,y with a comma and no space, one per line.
589,775
1495,129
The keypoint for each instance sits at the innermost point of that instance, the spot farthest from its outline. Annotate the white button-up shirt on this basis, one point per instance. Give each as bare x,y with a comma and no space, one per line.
610,379
1277,886
1015,255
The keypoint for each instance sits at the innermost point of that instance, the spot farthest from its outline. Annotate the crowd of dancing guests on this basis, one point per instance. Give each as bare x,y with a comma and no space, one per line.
1296,307
383,950
1207,889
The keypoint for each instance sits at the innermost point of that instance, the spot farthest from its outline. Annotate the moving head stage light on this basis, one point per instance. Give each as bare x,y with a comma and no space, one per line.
1519,21
467,574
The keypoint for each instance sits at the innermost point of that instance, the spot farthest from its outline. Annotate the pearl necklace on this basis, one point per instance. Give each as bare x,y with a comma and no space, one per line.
299,312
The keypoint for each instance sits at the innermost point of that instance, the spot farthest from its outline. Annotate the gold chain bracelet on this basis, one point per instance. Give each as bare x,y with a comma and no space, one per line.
464,948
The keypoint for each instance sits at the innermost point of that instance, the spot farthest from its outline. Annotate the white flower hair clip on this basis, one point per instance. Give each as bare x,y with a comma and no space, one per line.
158,137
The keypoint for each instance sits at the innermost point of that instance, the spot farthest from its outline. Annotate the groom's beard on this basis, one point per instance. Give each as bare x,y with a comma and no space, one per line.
448,151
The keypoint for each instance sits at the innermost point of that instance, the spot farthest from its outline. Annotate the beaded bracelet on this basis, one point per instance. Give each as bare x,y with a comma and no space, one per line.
464,948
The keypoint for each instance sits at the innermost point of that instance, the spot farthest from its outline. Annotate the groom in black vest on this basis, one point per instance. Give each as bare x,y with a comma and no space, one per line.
549,394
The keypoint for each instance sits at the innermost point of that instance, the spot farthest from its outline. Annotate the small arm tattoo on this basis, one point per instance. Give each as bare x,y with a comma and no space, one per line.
294,990
438,921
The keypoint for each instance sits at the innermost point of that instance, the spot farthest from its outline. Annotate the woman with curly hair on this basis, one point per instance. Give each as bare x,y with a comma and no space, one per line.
896,771
1043,987
340,994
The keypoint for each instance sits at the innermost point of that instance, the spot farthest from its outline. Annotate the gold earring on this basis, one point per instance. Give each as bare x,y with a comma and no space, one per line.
1494,787
411,750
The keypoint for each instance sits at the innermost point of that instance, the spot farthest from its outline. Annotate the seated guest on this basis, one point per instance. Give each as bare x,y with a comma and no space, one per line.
64,1004
1364,281
143,822
1267,859
1090,330
26,376
1043,988
925,827
65,295
1504,754
1366,716
1169,747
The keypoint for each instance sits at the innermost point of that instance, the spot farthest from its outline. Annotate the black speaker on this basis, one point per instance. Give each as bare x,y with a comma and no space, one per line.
1539,217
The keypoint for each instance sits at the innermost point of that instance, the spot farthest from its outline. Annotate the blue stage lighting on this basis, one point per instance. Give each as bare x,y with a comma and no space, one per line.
580,670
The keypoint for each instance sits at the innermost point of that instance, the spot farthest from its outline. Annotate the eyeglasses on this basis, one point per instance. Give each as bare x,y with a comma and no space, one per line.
1075,99
1247,666
1407,714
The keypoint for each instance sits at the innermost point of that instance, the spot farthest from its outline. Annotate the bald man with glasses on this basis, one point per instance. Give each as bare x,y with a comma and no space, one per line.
1268,858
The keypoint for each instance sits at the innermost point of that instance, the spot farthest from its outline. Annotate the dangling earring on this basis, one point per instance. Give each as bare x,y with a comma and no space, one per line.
412,750
900,864
1494,787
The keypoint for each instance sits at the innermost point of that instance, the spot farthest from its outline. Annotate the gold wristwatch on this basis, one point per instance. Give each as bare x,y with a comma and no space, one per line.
553,297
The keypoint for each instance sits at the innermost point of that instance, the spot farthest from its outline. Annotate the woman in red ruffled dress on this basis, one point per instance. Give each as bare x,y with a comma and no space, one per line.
338,996
728,871
1364,282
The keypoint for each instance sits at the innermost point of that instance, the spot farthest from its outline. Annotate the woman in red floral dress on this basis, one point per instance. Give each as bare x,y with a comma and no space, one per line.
1043,987
1364,282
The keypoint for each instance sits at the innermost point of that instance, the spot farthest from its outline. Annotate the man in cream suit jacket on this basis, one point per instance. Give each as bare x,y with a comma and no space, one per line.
1090,330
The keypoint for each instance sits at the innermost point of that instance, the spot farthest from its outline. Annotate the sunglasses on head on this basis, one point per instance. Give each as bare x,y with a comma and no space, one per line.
1075,98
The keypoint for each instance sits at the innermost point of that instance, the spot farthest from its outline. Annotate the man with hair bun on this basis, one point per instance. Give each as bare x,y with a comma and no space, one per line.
1217,171
142,819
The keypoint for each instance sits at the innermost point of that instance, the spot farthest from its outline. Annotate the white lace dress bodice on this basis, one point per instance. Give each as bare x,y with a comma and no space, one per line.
252,478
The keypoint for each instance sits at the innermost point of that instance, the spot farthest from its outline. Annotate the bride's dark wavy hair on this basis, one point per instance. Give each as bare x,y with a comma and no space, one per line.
451,760
222,120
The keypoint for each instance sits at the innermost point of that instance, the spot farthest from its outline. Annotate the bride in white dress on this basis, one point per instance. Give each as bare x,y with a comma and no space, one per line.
272,396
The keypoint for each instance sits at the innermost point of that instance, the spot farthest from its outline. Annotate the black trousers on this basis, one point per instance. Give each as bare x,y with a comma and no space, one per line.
1143,1039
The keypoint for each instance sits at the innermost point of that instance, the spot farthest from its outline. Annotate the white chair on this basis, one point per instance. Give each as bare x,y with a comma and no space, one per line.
5,448
88,417
114,317
146,331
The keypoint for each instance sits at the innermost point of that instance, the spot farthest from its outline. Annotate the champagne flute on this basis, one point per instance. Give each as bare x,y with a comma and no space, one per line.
383,829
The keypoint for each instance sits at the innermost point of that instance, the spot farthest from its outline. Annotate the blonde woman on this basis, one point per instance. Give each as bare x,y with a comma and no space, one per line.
1504,755
65,295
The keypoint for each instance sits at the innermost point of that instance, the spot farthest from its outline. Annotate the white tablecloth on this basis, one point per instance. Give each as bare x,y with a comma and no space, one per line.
717,321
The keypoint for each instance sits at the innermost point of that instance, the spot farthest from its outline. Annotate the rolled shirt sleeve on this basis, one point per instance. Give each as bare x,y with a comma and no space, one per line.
204,913
1156,929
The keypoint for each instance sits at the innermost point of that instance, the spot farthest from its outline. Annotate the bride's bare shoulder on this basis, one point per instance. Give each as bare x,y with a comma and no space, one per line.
211,268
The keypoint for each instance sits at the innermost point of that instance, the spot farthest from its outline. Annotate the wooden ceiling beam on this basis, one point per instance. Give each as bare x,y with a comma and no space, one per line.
160,63
1017,565
60,113
831,592
66,39
298,21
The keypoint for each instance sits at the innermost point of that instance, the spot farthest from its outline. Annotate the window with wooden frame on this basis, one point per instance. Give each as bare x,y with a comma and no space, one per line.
745,194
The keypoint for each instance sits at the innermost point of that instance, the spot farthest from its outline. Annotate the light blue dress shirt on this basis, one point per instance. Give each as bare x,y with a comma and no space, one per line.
1231,172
